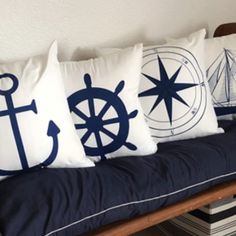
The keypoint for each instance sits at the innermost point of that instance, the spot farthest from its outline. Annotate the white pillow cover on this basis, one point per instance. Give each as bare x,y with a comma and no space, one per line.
36,126
102,95
174,93
221,74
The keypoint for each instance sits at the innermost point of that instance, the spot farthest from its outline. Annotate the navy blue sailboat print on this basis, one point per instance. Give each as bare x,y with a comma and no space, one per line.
222,80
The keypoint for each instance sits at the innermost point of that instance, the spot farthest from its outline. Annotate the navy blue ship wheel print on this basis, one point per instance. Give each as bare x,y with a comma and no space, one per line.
173,92
95,125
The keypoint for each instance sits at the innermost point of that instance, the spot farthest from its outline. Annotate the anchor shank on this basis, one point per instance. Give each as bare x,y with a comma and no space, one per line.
16,132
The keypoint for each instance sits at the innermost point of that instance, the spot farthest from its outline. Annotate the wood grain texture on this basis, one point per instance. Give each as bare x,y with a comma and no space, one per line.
139,223
225,29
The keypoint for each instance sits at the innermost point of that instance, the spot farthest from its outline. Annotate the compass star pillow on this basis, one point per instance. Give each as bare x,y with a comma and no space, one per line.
36,126
174,93
221,74
103,100
174,90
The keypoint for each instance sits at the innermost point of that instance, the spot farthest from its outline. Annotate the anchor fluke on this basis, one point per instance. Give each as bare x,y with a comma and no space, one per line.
53,132
53,129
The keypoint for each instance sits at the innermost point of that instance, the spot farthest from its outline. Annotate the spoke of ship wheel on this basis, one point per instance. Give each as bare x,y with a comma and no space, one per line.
98,139
80,126
79,113
91,106
86,136
99,144
108,133
104,110
111,121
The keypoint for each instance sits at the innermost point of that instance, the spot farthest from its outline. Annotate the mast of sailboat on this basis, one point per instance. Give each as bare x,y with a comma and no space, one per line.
227,75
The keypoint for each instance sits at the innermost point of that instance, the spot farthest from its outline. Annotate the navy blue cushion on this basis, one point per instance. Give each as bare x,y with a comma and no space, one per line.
74,201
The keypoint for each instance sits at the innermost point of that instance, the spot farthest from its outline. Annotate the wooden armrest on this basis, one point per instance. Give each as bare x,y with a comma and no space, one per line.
225,29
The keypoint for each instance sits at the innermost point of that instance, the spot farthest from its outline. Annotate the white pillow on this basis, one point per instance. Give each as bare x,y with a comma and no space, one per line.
221,73
36,126
185,110
102,95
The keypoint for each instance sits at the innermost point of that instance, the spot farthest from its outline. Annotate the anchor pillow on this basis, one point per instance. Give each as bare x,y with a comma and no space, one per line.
103,100
174,93
36,126
221,74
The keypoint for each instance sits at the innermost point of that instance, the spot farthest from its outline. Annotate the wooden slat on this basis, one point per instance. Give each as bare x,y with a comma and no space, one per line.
136,224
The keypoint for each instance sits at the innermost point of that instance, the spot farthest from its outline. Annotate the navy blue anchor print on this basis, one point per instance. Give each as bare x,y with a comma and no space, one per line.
166,89
94,124
11,111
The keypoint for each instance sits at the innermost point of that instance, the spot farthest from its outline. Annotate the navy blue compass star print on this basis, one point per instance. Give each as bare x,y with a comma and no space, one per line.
166,89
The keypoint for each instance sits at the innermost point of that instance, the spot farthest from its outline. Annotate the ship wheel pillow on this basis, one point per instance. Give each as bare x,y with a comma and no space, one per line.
174,93
221,74
36,126
103,100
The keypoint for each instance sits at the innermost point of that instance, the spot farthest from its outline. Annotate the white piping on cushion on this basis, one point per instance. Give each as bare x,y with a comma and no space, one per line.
137,202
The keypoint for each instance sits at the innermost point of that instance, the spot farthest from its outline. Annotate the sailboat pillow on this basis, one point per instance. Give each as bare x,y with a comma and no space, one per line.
103,99
174,93
36,126
221,74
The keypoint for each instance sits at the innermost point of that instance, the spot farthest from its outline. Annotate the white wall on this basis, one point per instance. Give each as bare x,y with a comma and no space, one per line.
28,26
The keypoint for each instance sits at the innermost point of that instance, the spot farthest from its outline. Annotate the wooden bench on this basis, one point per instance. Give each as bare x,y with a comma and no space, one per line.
128,227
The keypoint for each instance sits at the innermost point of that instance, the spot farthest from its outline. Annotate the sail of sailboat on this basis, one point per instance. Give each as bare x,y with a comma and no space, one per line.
221,76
